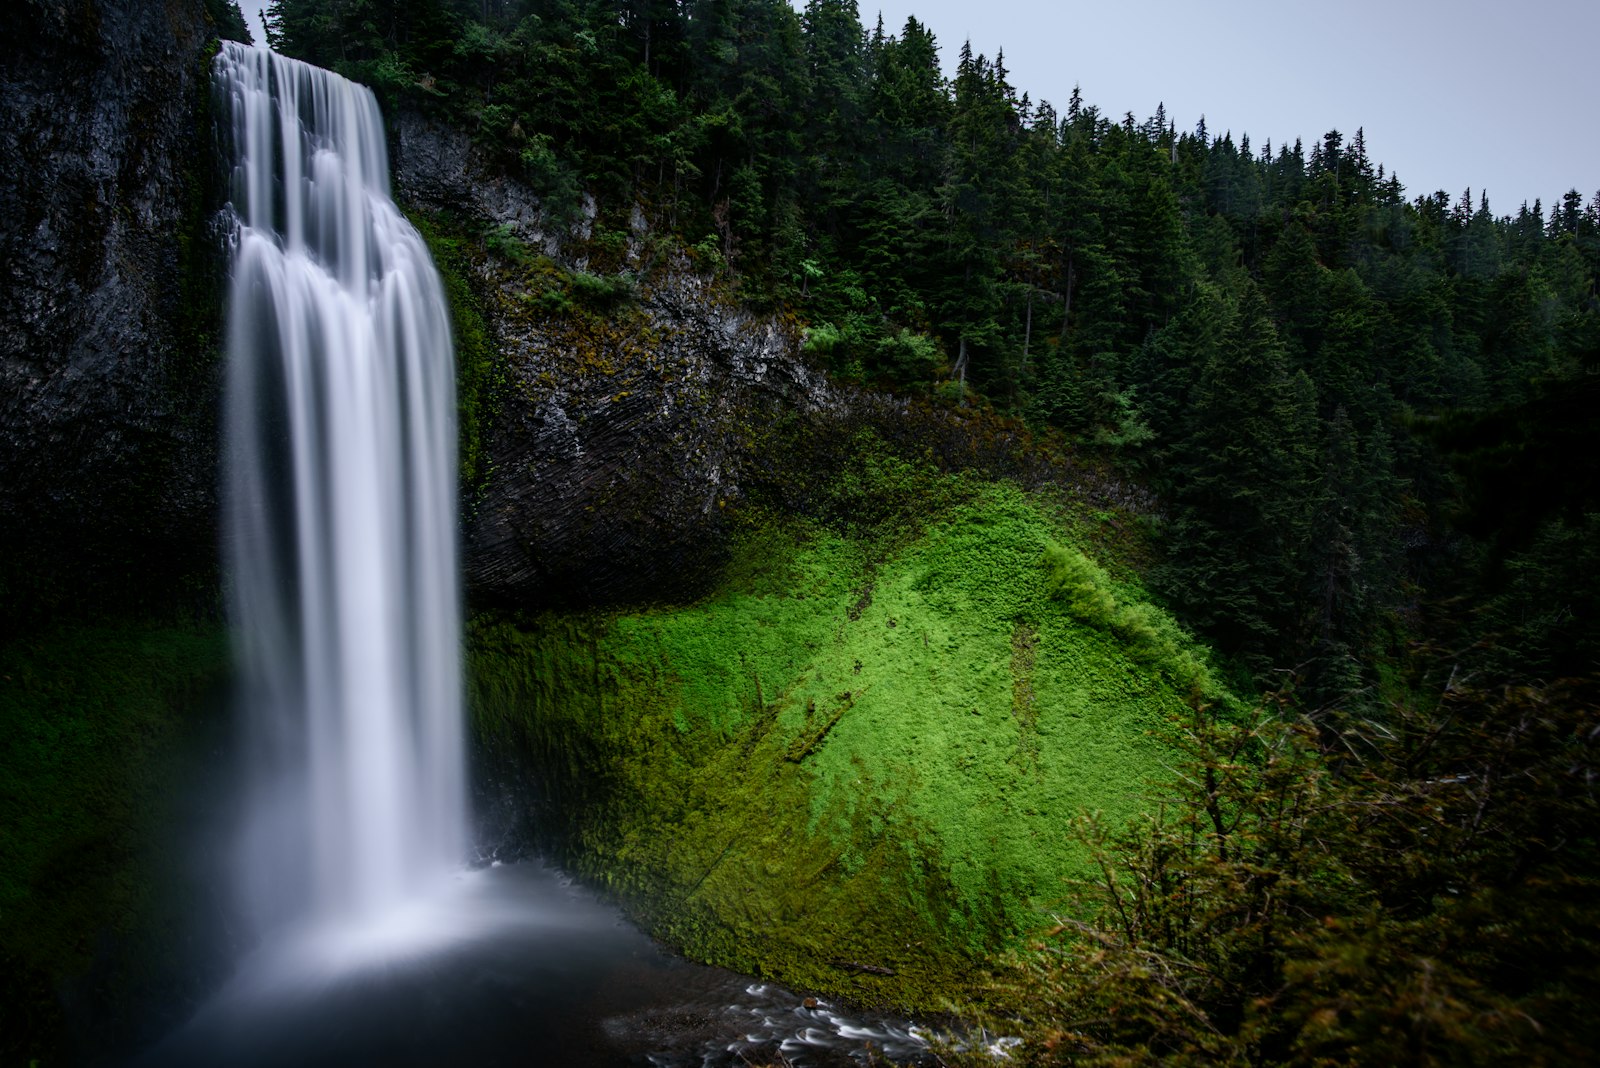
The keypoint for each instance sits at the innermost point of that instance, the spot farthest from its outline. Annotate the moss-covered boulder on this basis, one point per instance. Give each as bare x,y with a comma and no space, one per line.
853,765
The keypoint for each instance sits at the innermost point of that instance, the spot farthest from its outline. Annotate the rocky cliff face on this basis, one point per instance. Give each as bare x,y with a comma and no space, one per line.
632,403
627,400
109,301
635,404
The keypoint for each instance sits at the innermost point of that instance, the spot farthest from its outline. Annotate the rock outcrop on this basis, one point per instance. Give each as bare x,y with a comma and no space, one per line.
637,403
619,434
109,302
633,402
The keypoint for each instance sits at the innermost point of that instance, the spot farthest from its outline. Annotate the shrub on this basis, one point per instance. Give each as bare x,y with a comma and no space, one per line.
908,358
1427,895
1150,634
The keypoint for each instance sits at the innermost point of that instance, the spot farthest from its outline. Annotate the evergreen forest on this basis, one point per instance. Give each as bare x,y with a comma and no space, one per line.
1309,366
1368,414
1128,594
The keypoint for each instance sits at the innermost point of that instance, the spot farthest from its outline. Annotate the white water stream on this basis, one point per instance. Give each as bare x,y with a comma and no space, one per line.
375,945
341,510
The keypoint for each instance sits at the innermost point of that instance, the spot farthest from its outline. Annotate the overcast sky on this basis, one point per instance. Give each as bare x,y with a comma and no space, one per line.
1495,95
254,15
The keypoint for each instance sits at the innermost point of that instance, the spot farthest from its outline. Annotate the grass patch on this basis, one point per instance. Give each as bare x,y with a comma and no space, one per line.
87,720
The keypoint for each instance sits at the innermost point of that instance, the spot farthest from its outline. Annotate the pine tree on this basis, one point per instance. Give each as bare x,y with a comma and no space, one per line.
1246,484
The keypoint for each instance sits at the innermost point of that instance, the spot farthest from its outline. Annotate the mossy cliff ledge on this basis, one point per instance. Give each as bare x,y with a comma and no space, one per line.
619,405
624,391
812,677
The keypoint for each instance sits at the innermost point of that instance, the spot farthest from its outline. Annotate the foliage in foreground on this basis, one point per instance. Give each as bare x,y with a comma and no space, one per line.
1426,896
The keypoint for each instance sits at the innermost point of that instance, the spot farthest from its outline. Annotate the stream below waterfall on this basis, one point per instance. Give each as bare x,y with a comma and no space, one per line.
517,966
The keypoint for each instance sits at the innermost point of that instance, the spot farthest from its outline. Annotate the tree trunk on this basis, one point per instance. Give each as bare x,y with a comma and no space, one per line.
1066,299
1027,332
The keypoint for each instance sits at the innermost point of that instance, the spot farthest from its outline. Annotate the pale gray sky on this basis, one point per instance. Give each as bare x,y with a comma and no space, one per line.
253,14
1452,93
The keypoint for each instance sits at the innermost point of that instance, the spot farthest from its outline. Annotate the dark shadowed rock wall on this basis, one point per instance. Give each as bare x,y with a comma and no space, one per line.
619,434
110,293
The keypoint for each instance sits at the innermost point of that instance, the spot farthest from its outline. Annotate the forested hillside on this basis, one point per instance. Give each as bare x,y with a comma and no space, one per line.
1258,330
1367,414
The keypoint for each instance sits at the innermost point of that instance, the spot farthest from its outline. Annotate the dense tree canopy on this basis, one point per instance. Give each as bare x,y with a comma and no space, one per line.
1371,422
1259,333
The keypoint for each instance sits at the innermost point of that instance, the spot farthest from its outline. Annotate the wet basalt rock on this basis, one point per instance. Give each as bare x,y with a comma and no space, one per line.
613,474
620,436
109,301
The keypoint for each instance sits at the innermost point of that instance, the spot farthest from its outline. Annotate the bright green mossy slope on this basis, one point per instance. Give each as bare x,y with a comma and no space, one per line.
90,723
854,765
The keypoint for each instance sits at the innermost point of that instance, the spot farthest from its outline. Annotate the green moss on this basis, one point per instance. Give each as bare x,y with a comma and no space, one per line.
93,723
1149,635
479,374
88,718
854,764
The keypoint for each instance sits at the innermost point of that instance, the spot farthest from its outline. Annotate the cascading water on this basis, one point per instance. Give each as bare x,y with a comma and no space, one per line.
341,497
341,547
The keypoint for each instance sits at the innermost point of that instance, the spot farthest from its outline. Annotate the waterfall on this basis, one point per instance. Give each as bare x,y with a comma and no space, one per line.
340,490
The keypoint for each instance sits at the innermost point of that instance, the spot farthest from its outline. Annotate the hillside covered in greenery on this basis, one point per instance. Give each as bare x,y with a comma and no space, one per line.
1367,414
1267,334
1130,590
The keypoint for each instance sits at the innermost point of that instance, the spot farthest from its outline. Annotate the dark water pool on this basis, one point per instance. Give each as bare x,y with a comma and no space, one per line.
517,966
